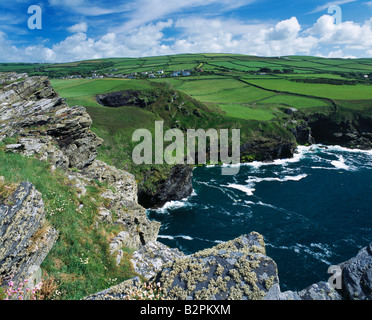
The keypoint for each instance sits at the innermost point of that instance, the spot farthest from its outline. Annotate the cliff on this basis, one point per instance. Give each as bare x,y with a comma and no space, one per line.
35,121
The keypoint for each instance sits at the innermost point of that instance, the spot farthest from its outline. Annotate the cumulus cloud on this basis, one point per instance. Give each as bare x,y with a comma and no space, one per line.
79,27
287,29
354,35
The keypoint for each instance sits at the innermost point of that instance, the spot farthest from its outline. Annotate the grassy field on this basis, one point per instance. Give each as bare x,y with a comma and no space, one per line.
342,92
236,86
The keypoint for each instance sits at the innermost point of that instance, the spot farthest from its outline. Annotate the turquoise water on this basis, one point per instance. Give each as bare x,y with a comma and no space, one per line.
314,210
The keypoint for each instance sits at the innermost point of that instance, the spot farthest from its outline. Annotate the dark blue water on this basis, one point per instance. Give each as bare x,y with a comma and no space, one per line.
314,210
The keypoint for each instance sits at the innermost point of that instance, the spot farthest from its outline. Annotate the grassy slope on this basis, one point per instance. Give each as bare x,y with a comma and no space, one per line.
79,240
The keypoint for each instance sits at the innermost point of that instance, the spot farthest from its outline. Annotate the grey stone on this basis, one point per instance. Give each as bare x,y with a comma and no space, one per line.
20,219
148,260
357,276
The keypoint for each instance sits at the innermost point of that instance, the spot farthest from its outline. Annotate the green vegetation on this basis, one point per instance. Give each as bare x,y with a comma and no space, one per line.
230,91
80,262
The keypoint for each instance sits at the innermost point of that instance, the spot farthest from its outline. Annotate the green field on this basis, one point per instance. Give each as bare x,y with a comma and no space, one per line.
238,86
344,92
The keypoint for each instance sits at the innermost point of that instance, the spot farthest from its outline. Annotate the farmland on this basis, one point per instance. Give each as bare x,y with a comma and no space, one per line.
218,91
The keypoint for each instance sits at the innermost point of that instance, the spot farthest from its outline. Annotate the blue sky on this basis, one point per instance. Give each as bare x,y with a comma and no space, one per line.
81,29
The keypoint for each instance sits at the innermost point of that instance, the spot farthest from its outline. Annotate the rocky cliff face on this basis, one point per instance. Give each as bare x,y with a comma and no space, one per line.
333,127
32,111
39,123
177,186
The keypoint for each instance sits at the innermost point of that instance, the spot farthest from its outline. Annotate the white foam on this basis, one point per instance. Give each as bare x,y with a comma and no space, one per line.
185,237
284,179
171,205
166,237
343,149
246,189
173,237
340,163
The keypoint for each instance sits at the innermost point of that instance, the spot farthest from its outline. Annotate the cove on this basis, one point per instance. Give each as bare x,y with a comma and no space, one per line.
314,210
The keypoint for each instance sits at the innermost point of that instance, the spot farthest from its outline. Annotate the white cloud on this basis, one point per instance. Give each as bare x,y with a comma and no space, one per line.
354,35
79,27
195,34
340,54
145,11
287,29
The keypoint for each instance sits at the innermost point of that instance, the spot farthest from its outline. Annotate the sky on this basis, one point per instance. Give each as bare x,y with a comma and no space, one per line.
74,30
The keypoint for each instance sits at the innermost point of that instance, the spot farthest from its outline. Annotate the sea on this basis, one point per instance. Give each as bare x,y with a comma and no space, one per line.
313,210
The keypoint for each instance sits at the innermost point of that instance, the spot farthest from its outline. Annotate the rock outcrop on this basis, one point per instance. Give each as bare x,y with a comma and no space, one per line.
39,123
269,148
235,270
26,238
32,111
238,270
357,276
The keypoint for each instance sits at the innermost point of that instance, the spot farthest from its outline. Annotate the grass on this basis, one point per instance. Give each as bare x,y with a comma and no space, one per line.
358,91
247,112
294,101
80,262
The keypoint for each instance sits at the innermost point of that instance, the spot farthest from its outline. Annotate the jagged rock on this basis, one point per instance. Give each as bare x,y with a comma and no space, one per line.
117,244
238,269
357,276
32,108
43,126
319,291
123,182
148,260
25,238
11,77
142,230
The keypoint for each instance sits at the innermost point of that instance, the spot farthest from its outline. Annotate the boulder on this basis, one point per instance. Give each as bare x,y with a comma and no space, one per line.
357,276
236,270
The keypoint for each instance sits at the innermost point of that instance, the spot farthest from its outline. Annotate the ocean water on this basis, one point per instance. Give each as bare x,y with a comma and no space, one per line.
314,210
